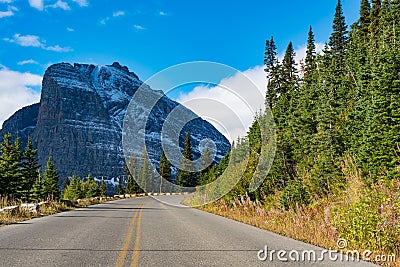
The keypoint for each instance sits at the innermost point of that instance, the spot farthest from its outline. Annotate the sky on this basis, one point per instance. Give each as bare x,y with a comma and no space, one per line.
149,36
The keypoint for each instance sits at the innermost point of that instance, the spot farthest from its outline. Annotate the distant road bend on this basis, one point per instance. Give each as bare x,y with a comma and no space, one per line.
143,232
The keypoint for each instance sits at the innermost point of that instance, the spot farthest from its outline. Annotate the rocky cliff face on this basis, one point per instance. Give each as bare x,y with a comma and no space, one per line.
80,117
22,123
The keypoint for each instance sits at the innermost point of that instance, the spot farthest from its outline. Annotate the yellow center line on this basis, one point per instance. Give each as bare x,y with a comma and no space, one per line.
125,247
135,253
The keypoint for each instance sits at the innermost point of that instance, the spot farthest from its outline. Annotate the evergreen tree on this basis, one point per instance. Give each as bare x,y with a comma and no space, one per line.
375,14
120,187
165,171
75,189
270,56
92,188
310,61
271,68
206,161
103,188
50,181
142,176
364,21
338,39
29,169
186,176
37,189
131,186
65,185
10,182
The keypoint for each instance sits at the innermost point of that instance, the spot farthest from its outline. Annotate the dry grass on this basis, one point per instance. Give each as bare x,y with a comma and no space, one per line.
367,217
21,214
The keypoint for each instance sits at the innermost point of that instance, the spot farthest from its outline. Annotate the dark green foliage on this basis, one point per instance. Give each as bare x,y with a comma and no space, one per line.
338,39
131,186
364,21
75,189
346,103
79,189
10,174
103,188
187,176
65,184
165,173
294,194
271,68
310,61
120,187
29,170
91,188
50,181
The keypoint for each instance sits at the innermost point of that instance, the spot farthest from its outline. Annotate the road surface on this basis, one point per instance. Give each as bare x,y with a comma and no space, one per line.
146,232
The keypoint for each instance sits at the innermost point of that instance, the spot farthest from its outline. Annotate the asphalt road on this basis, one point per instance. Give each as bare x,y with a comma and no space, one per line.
146,232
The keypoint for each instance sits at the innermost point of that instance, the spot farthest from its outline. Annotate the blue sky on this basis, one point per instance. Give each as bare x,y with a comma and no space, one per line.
148,35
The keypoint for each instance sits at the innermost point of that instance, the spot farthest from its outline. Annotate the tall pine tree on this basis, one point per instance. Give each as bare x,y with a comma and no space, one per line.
50,181
30,170
165,172
186,176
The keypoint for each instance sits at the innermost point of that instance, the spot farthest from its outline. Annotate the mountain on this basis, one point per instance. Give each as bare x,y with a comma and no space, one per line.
79,120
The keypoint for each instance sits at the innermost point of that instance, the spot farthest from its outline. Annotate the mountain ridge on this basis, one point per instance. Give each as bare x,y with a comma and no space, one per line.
80,117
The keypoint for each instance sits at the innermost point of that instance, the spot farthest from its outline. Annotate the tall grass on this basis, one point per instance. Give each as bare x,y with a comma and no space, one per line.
365,214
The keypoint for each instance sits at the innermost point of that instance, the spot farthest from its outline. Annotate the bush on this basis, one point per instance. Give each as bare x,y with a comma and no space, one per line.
295,194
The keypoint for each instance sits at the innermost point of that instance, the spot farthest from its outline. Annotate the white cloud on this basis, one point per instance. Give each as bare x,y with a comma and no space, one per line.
139,27
70,29
118,13
81,2
6,1
162,13
29,61
38,4
35,41
230,106
4,14
58,48
25,40
15,91
60,4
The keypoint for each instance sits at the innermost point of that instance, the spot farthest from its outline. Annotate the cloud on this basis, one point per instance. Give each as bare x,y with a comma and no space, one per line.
70,29
29,61
4,14
231,105
118,13
162,13
6,1
139,27
35,41
81,3
16,91
58,48
60,4
38,4
25,40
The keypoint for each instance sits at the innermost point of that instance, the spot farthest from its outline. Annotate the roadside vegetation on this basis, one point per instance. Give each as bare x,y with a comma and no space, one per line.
336,172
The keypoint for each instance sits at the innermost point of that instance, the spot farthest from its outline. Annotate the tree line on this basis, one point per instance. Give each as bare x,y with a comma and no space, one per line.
20,176
343,101
21,179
